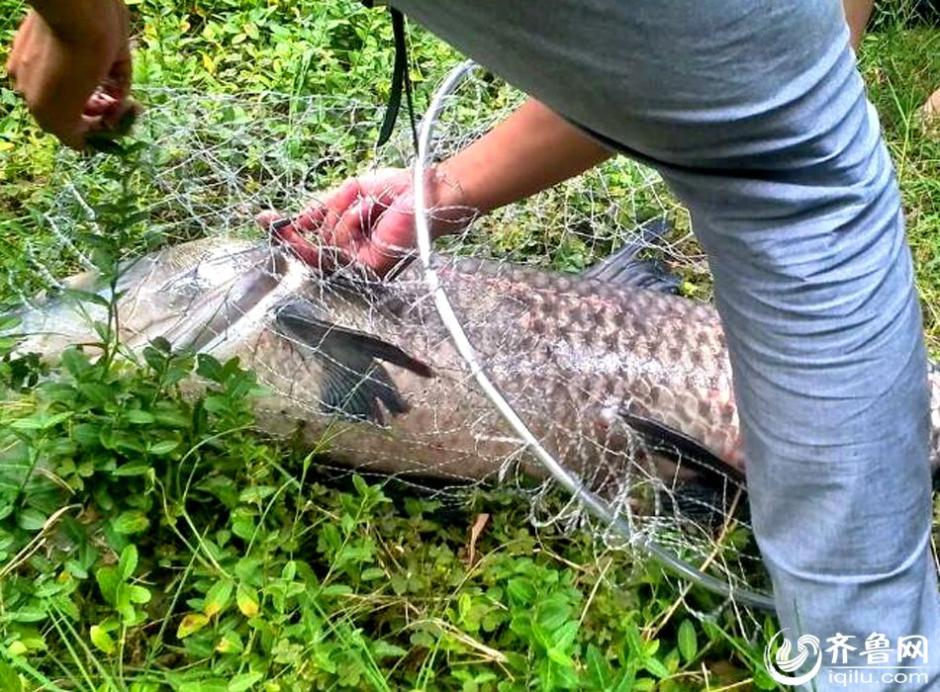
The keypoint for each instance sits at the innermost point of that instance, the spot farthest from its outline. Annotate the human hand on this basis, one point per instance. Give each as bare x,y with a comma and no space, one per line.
72,65
368,220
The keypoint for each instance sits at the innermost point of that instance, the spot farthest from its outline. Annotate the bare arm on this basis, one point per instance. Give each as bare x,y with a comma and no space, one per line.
531,150
371,218
72,20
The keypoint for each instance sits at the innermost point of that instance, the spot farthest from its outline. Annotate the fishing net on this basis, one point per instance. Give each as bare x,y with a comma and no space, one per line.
211,162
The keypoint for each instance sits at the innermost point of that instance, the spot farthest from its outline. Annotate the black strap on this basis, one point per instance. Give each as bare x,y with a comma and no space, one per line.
400,80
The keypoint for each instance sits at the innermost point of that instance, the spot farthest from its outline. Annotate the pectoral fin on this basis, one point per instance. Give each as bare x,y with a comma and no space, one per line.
708,495
659,435
355,384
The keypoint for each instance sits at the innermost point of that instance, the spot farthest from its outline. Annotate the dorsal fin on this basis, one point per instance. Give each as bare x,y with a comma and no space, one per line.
622,268
355,382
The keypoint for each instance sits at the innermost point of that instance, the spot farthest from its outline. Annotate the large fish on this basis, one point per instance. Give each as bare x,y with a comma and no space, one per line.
599,366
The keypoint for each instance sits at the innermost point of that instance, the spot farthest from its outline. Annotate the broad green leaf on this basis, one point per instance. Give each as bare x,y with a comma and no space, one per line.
133,468
9,679
520,591
17,648
382,649
101,639
108,580
597,668
217,598
247,600
209,367
687,640
553,614
230,643
565,635
96,392
138,594
128,562
27,614
40,421
163,447
206,685
190,624
256,493
656,667
31,519
371,573
243,682
139,417
131,522
560,657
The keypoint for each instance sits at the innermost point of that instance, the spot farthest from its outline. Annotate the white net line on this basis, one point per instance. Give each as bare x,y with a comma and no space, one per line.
214,161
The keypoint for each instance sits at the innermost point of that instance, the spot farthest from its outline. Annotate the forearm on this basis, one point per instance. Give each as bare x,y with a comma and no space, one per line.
530,151
72,20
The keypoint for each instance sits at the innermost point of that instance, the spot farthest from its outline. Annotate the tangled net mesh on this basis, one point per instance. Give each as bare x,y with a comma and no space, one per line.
213,161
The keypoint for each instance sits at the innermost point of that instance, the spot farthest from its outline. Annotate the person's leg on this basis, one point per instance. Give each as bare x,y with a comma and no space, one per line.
815,285
931,109
857,14
830,378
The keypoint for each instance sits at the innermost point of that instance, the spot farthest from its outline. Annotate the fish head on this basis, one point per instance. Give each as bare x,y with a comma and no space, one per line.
180,294
315,340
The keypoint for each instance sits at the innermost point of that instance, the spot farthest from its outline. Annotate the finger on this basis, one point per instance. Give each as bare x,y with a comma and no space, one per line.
311,217
118,82
267,218
100,103
325,212
309,250
352,229
360,219
289,237
382,263
59,107
394,235
336,202
111,111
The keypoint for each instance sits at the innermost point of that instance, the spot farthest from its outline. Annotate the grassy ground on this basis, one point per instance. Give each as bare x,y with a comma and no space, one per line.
901,66
149,543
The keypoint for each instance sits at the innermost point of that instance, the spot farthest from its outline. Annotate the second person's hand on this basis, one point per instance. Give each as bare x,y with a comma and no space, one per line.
71,62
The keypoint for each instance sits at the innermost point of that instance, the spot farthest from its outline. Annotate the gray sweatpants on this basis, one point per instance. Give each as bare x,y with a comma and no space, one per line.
756,116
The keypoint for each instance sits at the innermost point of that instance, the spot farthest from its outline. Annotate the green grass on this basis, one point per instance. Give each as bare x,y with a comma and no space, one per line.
902,67
149,542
